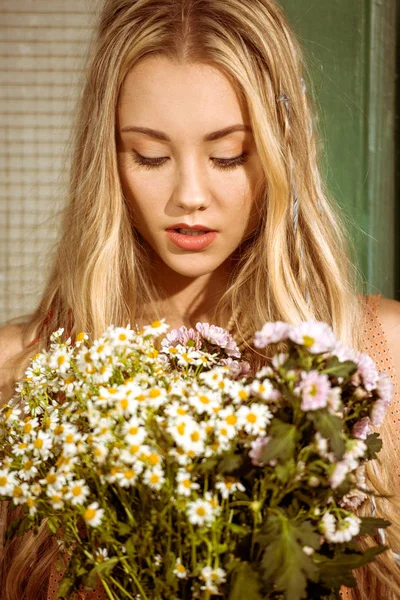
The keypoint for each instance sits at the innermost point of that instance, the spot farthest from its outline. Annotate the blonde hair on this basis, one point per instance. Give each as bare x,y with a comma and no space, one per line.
102,273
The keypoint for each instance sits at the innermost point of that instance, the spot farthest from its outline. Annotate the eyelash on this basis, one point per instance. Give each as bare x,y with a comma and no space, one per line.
223,164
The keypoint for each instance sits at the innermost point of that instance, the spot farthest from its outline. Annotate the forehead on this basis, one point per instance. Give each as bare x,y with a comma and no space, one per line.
179,98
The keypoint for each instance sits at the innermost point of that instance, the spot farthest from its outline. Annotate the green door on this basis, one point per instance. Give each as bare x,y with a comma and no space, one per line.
350,49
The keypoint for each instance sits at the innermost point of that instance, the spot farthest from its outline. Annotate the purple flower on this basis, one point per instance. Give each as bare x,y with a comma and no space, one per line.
385,388
315,390
257,447
316,336
271,333
362,428
367,368
343,353
238,368
181,336
378,412
219,337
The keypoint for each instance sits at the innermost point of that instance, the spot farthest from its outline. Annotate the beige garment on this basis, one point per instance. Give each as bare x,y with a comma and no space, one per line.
375,345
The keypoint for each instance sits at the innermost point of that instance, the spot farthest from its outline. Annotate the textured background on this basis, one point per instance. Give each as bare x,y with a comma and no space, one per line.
42,46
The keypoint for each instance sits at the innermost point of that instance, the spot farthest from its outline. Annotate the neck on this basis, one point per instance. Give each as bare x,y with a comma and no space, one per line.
187,300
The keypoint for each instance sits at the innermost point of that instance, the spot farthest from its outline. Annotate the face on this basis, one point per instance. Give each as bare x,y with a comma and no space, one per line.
183,175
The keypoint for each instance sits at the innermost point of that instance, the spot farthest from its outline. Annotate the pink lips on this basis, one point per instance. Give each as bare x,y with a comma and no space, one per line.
190,242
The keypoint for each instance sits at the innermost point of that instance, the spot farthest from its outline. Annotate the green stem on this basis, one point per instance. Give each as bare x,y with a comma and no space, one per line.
135,579
127,594
109,593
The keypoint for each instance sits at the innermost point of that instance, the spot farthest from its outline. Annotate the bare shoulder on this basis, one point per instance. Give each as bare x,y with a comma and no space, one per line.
11,344
389,316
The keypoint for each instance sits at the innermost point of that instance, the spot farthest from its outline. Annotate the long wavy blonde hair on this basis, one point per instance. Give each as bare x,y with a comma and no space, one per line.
101,269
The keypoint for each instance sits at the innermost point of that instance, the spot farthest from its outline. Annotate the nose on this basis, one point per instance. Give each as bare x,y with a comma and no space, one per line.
192,191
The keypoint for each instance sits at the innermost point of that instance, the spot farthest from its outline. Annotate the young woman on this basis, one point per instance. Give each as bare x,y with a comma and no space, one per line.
195,195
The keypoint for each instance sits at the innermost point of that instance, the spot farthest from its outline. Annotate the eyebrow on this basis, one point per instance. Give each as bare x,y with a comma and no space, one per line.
210,137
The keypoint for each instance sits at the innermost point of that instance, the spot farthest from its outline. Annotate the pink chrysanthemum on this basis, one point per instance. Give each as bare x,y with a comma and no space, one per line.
367,369
182,336
219,337
271,333
257,447
314,388
385,387
362,428
378,412
316,336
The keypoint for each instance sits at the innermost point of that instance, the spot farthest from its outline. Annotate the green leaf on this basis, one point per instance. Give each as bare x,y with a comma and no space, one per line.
230,463
246,583
208,465
90,580
52,524
340,369
330,427
106,566
124,528
282,442
374,445
336,571
65,587
371,524
239,529
285,565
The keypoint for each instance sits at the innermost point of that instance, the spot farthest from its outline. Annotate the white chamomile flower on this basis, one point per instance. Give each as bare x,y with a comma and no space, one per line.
7,482
215,378
29,427
100,453
156,328
154,478
200,512
239,392
101,555
28,470
56,497
204,401
128,475
229,486
78,492
60,360
41,444
212,578
10,414
254,418
176,409
120,336
185,483
180,570
20,492
93,515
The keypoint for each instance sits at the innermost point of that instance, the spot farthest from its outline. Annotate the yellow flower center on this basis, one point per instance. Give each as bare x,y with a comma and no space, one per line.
252,418
204,399
156,324
77,490
60,360
201,511
89,514
231,419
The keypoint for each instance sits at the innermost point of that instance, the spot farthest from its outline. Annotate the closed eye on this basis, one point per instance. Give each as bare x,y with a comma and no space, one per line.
218,163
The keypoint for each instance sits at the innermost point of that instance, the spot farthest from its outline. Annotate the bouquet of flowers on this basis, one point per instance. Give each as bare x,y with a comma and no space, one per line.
178,473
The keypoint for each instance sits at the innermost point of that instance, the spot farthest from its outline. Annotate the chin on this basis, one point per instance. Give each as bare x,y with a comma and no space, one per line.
193,266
